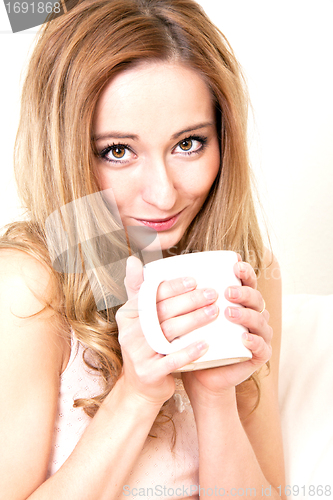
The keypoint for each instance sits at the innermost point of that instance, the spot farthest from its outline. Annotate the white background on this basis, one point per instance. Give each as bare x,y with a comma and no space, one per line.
285,48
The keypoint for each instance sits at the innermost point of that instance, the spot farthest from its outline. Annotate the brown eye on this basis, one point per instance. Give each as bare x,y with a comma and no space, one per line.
118,152
190,146
186,145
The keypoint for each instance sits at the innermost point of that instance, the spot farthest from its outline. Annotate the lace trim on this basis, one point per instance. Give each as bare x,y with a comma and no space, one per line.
180,397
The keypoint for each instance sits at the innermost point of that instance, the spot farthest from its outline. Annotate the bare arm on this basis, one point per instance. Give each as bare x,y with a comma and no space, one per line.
239,450
32,359
35,352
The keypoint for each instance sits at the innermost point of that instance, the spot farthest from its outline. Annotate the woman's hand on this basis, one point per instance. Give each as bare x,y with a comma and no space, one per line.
181,308
216,381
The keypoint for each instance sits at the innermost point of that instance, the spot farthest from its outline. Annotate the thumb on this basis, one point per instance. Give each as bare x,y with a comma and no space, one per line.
134,276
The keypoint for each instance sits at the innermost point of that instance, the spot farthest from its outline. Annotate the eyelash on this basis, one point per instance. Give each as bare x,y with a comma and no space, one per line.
198,138
103,154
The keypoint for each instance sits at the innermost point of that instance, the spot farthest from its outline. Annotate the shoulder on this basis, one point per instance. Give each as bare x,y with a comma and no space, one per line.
270,286
23,276
270,268
28,294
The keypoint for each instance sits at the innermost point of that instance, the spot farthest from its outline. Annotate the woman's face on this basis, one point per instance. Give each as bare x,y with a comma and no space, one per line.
158,150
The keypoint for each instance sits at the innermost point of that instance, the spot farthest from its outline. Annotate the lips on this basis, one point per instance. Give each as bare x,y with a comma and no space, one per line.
160,224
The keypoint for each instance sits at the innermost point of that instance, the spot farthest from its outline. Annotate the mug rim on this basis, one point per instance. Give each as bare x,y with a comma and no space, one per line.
186,255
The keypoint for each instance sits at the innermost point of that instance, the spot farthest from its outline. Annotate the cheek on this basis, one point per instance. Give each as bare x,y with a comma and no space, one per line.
213,165
99,173
203,177
102,177
111,179
108,181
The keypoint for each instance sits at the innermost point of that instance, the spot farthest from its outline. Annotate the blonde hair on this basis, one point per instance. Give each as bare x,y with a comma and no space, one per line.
75,56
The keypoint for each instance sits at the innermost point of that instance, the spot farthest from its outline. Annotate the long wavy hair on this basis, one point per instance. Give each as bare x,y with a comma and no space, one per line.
75,56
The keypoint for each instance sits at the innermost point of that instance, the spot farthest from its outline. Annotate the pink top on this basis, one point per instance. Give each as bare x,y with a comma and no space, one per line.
161,472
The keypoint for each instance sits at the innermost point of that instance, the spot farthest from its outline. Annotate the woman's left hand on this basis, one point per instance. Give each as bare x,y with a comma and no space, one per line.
214,382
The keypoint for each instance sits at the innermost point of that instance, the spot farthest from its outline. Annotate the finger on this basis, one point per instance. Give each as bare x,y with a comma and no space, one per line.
180,325
246,274
129,310
256,323
173,288
185,303
178,359
246,296
134,276
261,351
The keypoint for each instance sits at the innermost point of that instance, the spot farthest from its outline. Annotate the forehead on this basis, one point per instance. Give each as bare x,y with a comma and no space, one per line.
152,96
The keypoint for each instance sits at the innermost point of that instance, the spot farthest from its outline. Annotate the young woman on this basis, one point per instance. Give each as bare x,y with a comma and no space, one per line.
142,99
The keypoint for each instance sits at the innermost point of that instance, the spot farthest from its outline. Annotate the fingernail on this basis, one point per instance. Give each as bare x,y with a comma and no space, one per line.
210,293
247,336
234,312
211,310
189,283
241,266
234,293
202,346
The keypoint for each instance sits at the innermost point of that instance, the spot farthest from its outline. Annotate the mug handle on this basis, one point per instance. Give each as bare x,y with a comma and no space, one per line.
149,319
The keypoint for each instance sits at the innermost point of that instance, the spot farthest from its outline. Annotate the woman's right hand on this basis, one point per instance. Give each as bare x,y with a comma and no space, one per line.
181,308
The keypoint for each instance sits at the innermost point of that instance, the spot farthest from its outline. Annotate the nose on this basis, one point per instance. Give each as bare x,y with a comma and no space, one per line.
158,185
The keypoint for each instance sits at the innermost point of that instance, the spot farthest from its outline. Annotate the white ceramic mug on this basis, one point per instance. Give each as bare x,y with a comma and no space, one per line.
213,269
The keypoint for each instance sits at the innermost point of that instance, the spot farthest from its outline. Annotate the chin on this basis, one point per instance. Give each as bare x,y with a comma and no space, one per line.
170,241
167,244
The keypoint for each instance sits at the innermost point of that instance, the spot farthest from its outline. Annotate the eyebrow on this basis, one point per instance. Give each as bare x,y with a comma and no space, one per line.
191,129
115,135
134,137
